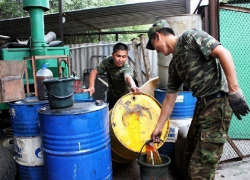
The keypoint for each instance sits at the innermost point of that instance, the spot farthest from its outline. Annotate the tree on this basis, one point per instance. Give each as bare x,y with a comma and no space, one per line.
14,8
11,9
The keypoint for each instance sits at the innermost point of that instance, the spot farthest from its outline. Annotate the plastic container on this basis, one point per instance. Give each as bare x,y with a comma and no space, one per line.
77,83
150,171
43,74
60,92
76,142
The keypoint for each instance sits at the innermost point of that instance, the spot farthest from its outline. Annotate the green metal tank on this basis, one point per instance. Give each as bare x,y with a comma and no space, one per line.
38,46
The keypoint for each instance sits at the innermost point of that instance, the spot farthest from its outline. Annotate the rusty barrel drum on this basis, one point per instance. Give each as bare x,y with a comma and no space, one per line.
76,142
132,121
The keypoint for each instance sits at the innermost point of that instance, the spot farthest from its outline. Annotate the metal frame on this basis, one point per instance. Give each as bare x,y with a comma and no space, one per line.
59,58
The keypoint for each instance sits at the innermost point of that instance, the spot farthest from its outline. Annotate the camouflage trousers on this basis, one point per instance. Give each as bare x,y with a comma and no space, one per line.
206,137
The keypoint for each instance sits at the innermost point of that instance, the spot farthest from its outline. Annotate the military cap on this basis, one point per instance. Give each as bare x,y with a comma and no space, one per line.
158,25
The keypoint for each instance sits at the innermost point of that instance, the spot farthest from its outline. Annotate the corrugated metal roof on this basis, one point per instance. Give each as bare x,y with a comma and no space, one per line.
80,21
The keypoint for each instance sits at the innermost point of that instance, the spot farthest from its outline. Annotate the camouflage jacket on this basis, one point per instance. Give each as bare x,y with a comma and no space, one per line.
192,65
116,77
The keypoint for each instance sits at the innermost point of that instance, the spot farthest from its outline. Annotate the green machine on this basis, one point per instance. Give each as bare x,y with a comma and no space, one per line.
38,46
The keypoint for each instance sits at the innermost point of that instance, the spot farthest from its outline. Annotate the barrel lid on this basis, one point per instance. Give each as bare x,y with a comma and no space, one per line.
29,101
134,118
58,80
77,108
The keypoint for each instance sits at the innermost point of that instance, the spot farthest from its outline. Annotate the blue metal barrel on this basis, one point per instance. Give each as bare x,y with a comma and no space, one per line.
82,97
27,140
76,142
168,149
30,172
24,116
181,116
184,104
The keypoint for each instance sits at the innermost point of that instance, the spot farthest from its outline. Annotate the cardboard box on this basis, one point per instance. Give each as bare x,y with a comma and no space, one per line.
11,89
11,80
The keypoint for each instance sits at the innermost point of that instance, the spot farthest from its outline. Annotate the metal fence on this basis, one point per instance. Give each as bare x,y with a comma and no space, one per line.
234,21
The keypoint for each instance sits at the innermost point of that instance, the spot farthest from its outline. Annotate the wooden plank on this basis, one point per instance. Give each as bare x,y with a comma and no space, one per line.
234,147
145,57
137,62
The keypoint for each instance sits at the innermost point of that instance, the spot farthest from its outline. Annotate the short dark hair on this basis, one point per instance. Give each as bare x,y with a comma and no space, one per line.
120,46
163,31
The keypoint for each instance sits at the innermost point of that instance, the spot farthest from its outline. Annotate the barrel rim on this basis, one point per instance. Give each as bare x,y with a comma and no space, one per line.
164,90
41,109
155,166
23,103
55,80
125,145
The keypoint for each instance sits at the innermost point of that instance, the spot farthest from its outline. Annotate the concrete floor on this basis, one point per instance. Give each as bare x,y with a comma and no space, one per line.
234,170
131,171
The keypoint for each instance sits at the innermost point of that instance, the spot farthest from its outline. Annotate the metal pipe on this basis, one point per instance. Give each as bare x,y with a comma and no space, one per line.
206,16
187,7
36,10
213,14
218,19
116,37
61,21
37,29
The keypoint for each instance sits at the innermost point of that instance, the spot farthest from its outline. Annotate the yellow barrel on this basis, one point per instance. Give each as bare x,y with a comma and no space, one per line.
132,121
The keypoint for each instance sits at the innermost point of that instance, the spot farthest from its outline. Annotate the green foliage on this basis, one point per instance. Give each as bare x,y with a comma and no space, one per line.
14,8
11,9
70,5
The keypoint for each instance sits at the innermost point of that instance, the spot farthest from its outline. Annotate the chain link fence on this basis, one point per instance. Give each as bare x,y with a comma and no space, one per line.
234,18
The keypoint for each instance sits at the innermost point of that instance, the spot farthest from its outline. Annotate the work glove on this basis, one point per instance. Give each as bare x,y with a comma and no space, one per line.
238,103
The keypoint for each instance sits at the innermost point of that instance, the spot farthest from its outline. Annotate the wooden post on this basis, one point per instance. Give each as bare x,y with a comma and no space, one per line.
145,57
34,73
27,79
137,62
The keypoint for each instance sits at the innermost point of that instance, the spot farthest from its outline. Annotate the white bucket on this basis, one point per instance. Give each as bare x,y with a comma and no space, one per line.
28,151
163,64
174,126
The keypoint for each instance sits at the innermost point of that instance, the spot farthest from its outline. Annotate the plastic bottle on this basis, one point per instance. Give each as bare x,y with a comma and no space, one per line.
153,156
77,83
43,74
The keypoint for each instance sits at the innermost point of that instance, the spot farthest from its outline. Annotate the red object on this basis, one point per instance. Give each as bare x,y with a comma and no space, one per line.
77,86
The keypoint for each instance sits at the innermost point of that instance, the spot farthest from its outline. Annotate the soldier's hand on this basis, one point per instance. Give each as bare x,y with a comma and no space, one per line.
238,104
156,135
135,90
91,90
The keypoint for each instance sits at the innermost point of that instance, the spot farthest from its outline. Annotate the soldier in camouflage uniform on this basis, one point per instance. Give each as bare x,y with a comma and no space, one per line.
206,67
119,74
